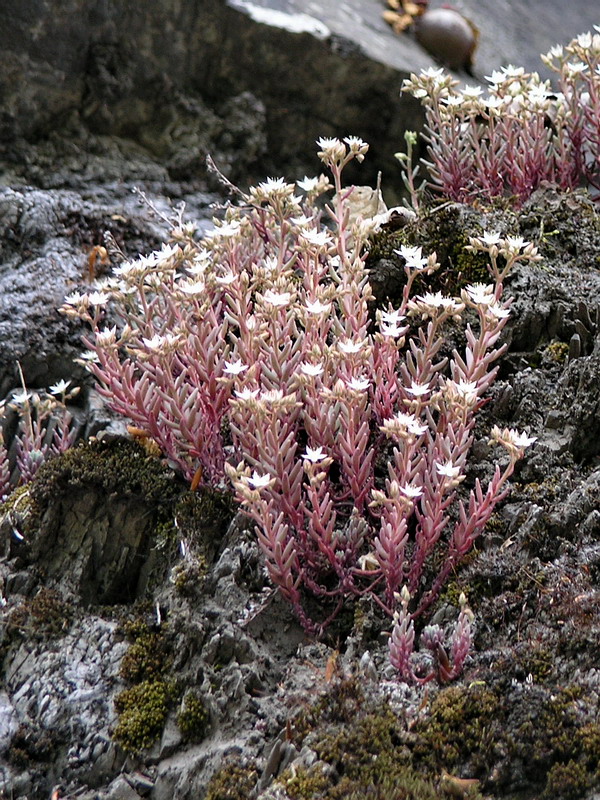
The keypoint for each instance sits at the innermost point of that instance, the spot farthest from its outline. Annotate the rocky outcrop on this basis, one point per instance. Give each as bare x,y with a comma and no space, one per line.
143,653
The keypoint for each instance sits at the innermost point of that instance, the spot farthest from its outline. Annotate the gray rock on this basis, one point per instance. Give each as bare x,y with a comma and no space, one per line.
47,239
120,789
141,783
8,722
171,738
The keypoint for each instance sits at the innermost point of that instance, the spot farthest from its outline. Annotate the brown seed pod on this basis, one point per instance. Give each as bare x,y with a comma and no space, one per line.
448,36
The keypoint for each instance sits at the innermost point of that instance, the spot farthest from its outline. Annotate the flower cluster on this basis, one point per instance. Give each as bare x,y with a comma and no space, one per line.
520,132
255,356
44,428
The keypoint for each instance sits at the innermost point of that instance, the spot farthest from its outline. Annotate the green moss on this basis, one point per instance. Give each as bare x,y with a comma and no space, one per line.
369,757
368,761
365,751
142,712
361,751
538,662
399,783
144,706
136,626
568,781
123,468
188,576
550,490
47,614
116,466
470,724
461,725
303,784
165,535
549,731
234,781
556,352
146,658
204,516
17,501
193,718
452,592
384,243
402,784
444,231
589,736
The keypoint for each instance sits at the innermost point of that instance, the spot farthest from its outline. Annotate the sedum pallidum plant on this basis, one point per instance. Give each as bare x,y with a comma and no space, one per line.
45,428
521,132
254,356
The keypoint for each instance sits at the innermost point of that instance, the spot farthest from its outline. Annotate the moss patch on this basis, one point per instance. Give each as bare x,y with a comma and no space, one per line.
530,739
446,232
368,761
568,781
193,718
45,615
362,751
116,466
461,726
541,737
124,467
143,708
147,658
142,712
115,515
235,780
395,782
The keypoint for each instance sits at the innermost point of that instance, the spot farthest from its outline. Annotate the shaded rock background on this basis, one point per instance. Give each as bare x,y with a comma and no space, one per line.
98,98
166,79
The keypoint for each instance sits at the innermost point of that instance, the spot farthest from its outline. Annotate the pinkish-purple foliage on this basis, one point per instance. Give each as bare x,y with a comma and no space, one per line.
253,357
45,429
521,134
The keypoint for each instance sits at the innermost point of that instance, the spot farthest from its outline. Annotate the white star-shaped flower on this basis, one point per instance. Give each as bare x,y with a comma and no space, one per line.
278,299
413,257
312,370
317,307
246,393
418,389
490,237
448,470
258,481
411,491
308,184
358,384
316,238
234,367
315,454
350,346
